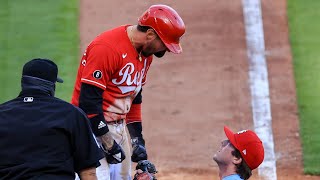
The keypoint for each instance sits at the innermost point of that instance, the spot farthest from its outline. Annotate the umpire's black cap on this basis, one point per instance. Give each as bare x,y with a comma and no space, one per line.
43,69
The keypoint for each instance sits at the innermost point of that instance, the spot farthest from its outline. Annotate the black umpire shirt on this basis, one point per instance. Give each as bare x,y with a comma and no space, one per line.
43,137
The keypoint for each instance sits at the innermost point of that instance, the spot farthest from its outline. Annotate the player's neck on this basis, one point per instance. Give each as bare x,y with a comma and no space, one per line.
134,38
226,170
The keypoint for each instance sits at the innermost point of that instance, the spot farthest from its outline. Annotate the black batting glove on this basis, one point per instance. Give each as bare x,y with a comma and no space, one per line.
115,155
139,151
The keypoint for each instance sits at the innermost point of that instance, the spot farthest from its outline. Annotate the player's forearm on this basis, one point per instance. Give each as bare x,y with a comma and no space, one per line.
135,129
107,140
88,174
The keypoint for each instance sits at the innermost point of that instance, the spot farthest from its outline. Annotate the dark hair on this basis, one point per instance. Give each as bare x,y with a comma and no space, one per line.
143,28
242,169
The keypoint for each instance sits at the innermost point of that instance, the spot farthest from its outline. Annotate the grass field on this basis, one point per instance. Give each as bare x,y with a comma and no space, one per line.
36,28
305,41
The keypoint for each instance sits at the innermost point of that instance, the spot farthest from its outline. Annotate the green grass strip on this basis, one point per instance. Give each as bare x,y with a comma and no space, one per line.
38,28
304,28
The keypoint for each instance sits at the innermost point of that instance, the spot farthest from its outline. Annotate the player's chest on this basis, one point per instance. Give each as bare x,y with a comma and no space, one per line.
130,72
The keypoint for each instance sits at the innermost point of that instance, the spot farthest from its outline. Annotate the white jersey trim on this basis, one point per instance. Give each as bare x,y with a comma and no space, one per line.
83,79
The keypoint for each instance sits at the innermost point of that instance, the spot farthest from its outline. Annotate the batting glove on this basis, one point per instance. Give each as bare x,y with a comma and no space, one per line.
139,151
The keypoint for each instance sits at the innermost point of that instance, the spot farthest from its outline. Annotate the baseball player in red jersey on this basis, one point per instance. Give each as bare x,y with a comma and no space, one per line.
109,84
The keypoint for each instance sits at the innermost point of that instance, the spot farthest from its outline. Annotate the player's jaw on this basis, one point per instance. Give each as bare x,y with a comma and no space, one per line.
155,47
223,155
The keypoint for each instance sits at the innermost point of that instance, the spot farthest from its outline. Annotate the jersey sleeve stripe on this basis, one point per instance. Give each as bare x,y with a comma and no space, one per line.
90,81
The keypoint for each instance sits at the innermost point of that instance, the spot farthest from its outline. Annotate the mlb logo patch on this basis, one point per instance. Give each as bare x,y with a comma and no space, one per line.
28,99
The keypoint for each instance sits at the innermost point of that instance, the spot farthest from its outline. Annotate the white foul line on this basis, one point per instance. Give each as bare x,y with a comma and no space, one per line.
259,85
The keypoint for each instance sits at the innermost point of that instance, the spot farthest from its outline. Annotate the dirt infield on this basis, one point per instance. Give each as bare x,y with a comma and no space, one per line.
190,97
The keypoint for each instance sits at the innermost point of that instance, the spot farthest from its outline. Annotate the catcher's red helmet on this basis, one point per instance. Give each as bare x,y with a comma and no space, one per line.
167,23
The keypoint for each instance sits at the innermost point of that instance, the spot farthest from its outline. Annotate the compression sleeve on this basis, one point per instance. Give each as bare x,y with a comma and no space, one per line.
90,101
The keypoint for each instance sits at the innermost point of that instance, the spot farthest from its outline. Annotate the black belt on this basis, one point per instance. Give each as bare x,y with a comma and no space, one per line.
120,121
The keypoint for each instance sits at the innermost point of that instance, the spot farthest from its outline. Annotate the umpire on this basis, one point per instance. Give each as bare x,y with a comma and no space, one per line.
43,137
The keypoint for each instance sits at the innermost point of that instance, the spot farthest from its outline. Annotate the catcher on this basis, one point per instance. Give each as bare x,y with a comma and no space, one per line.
145,170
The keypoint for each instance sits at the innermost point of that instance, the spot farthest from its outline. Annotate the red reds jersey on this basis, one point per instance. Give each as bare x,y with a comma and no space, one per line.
111,63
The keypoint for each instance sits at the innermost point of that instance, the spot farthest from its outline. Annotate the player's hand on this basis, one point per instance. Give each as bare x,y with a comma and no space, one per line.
114,155
139,151
113,152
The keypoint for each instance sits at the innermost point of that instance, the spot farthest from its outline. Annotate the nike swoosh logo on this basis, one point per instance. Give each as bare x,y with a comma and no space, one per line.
124,55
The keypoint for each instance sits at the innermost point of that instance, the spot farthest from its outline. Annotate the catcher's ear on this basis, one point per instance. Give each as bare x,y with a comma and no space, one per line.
236,160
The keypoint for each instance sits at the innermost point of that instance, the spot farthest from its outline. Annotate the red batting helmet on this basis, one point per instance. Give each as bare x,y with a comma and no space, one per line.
167,23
